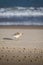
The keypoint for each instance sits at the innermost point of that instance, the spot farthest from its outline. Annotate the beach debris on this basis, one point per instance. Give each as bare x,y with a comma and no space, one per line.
7,38
17,35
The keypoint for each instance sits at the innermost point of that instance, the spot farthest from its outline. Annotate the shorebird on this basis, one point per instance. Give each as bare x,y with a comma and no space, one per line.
17,35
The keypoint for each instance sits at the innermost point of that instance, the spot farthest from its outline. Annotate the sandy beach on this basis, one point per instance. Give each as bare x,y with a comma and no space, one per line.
27,50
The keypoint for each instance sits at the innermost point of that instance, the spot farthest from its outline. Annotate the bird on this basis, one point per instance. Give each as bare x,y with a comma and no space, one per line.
17,35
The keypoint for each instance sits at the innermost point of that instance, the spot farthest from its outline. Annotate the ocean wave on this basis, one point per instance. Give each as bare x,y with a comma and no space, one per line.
21,23
21,11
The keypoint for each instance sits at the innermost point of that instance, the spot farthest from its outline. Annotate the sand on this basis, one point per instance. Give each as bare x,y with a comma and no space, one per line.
27,50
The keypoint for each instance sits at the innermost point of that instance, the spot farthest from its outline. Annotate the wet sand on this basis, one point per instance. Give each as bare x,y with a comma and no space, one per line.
27,50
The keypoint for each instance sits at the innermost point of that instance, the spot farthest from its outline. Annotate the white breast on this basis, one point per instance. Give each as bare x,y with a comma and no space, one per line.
17,36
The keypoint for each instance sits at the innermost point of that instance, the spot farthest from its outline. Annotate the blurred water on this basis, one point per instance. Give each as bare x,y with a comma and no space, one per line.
21,12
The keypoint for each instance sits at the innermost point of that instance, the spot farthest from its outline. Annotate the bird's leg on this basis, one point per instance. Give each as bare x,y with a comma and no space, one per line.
17,39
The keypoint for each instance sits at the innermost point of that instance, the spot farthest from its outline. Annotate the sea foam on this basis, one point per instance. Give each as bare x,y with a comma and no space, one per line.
21,11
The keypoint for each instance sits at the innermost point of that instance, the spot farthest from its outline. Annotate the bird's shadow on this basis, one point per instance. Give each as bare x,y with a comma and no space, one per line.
7,39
